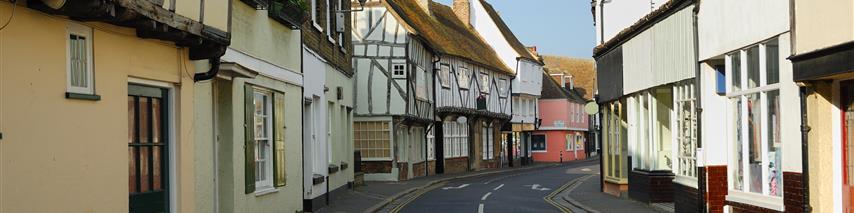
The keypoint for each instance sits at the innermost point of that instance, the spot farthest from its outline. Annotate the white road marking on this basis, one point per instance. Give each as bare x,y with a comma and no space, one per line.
585,169
480,208
499,187
455,187
486,196
538,187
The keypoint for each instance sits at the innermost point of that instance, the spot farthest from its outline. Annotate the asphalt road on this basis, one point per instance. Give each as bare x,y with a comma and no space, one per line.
521,191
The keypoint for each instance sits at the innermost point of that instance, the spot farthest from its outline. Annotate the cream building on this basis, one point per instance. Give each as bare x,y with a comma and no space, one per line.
98,116
248,127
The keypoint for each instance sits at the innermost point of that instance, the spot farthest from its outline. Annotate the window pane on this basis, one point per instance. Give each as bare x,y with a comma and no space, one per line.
133,172
775,174
738,170
143,120
143,167
753,67
735,71
754,139
772,62
158,170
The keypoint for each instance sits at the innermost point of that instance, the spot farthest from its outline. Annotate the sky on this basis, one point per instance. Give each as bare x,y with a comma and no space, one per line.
556,27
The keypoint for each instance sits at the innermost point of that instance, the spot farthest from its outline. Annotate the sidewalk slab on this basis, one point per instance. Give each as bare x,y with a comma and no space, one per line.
588,197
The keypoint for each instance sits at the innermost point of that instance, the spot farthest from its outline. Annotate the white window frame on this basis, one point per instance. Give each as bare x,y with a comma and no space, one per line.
266,181
456,139
357,140
485,82
764,198
329,28
502,88
445,75
86,32
487,137
685,132
431,141
394,70
314,16
464,77
545,143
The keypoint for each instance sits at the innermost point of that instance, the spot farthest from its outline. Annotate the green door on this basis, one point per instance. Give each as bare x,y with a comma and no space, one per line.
147,149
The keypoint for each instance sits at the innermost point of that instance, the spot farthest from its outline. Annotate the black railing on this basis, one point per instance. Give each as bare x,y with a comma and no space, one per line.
291,13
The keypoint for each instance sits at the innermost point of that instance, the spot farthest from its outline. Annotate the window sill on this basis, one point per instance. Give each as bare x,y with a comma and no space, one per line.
81,96
538,151
316,26
773,203
686,181
265,191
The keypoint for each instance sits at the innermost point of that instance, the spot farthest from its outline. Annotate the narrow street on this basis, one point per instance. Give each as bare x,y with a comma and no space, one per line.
521,191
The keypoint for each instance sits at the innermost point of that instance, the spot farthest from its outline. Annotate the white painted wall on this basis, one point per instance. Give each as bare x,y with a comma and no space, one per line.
619,15
726,25
314,147
662,54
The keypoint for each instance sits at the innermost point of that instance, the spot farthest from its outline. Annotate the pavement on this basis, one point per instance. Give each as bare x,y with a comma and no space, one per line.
377,195
585,196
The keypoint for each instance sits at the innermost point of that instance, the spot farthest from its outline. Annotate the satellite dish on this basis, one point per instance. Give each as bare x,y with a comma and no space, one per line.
591,108
462,119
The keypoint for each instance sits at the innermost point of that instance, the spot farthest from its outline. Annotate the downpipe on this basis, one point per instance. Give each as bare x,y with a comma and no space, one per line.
211,73
698,94
805,129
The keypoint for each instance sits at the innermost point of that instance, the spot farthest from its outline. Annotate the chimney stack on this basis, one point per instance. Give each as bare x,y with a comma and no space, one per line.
425,5
463,10
533,50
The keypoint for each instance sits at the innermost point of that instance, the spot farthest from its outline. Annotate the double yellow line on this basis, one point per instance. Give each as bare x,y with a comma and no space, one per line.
549,198
412,197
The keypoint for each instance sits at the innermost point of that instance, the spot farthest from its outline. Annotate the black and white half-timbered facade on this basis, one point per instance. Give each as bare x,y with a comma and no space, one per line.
395,107
427,88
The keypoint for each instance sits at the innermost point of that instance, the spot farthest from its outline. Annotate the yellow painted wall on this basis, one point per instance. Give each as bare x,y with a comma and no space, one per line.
216,14
814,18
821,146
63,155
255,34
188,8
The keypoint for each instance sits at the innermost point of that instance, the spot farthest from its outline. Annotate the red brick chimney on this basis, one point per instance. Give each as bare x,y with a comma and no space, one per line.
533,49
463,10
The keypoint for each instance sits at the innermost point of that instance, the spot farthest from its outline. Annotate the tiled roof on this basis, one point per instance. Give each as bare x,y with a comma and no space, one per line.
445,33
553,90
508,34
582,70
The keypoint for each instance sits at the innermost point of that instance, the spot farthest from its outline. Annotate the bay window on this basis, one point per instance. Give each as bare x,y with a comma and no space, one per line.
755,164
456,139
373,139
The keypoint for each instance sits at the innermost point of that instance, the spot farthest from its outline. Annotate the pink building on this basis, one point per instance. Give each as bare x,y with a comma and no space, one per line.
563,133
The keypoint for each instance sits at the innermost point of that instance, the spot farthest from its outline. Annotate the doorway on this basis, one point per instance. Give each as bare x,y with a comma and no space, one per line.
148,149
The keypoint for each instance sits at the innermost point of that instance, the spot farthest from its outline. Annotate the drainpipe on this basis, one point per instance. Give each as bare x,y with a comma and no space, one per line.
805,129
210,74
701,179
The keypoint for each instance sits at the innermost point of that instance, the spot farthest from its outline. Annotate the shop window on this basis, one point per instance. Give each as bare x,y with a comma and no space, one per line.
755,122
373,139
538,143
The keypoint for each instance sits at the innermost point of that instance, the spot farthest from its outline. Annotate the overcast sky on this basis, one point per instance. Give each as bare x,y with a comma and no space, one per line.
556,27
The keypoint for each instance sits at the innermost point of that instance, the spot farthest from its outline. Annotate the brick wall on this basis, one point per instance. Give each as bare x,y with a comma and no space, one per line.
793,192
716,188
651,187
431,167
370,167
403,172
456,165
685,198
318,40
418,170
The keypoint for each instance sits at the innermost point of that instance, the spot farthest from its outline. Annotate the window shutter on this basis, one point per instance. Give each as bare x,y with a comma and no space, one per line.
249,134
279,139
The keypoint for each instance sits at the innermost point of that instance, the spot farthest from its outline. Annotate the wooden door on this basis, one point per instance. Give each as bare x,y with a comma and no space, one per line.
847,95
147,149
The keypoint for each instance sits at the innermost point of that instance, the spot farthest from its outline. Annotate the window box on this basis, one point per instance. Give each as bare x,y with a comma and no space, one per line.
257,4
291,13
